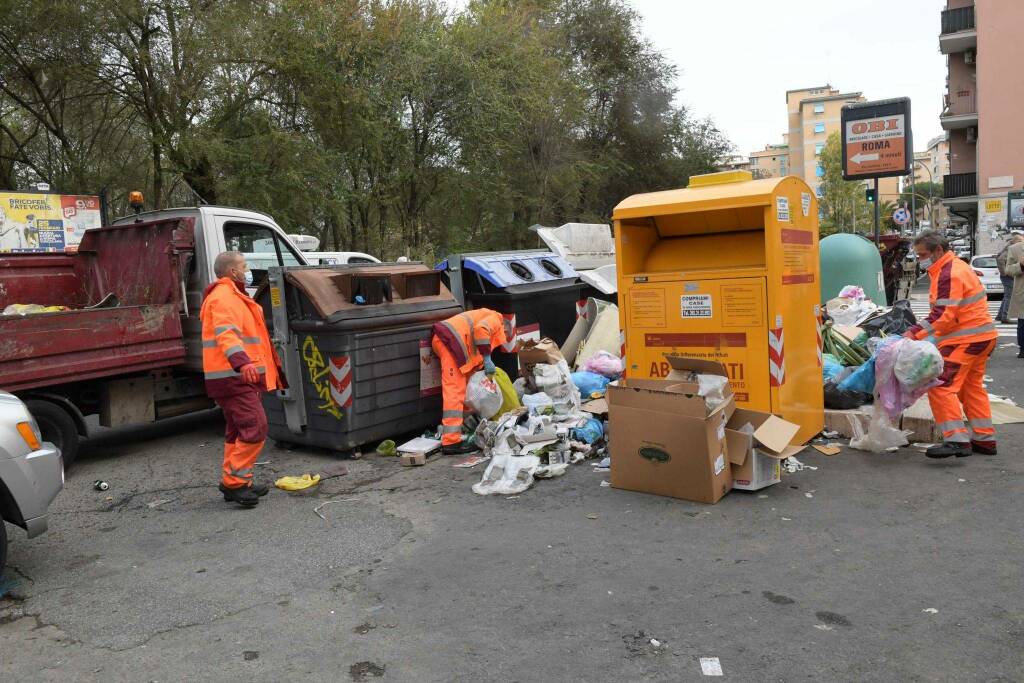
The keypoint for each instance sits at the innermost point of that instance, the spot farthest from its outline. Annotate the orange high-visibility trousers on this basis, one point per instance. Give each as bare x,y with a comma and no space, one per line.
453,394
963,392
244,435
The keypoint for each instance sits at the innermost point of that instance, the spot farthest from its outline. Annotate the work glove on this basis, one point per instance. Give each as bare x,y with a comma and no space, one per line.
250,375
489,368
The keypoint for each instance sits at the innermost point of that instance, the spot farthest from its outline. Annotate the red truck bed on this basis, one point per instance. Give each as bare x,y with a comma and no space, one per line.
143,265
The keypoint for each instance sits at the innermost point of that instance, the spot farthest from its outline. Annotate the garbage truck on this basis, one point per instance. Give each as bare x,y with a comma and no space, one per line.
112,329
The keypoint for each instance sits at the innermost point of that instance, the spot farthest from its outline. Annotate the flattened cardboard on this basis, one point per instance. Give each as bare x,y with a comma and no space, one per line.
598,406
543,351
666,442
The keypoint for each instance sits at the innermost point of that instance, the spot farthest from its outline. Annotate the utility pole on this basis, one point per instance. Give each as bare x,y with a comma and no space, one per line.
913,201
878,210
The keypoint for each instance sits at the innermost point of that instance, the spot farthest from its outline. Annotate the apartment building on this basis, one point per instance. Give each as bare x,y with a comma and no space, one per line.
930,166
981,112
770,162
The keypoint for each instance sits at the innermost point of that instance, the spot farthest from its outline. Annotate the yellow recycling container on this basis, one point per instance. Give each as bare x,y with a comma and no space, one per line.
727,269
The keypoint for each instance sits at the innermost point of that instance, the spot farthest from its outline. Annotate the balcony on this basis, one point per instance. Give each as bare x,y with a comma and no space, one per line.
959,109
960,188
958,33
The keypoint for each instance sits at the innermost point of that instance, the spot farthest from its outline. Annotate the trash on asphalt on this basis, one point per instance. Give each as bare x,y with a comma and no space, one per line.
387,448
293,483
322,505
471,461
711,666
757,443
100,485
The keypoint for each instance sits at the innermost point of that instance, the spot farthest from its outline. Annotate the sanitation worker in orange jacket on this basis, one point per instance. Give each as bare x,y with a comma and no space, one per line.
963,330
239,364
464,343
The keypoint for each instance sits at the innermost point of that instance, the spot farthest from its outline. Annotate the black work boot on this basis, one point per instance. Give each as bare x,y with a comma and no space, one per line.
461,448
984,447
259,489
949,449
243,495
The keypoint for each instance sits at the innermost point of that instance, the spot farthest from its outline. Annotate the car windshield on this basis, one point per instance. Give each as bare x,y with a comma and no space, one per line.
985,262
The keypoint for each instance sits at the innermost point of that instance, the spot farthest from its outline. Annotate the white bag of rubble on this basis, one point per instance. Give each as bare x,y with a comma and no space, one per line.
507,474
483,395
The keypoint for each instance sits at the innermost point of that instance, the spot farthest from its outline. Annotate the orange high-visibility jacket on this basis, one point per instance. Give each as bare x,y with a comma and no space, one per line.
234,335
471,335
959,312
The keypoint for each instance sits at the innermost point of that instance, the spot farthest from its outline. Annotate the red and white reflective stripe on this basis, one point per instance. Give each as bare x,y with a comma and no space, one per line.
341,381
776,357
622,351
581,309
511,345
818,327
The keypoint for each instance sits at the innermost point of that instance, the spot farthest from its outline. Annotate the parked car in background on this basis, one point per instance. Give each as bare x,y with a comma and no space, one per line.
338,258
987,271
31,472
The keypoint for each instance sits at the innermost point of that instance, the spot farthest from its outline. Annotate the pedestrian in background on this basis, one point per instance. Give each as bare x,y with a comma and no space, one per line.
960,326
239,364
1006,279
1014,263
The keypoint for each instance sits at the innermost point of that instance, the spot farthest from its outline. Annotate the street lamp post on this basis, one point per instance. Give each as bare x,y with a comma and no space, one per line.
913,193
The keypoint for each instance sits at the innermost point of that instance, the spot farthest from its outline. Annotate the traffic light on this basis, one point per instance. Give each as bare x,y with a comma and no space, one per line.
870,194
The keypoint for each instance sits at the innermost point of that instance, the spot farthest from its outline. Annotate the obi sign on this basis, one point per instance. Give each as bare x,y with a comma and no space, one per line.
876,139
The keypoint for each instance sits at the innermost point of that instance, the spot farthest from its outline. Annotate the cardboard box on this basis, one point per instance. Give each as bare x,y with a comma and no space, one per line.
665,438
543,351
413,459
756,458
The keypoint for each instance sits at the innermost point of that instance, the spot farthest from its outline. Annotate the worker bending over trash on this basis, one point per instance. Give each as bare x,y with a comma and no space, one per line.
963,330
239,364
464,343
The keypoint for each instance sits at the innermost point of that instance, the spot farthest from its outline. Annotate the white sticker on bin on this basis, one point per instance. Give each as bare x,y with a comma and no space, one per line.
719,464
695,306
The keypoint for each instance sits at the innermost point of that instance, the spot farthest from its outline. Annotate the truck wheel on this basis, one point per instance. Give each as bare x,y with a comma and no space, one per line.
57,427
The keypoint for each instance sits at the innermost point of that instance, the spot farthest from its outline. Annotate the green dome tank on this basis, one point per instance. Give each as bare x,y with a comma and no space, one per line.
848,259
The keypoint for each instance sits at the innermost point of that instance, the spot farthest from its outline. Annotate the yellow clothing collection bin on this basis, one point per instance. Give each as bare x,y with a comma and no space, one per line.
727,269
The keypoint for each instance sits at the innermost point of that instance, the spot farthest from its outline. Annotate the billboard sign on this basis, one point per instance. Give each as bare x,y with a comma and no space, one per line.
1015,210
877,140
31,221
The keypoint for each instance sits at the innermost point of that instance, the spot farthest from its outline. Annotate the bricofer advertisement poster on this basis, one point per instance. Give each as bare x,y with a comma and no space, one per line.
45,222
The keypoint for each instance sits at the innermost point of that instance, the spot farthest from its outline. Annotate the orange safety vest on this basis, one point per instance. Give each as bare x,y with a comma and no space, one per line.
234,335
462,333
959,312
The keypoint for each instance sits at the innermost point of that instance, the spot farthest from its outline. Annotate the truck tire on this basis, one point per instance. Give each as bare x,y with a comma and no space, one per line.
57,426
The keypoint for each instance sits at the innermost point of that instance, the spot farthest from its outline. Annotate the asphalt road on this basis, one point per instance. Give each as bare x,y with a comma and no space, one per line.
872,567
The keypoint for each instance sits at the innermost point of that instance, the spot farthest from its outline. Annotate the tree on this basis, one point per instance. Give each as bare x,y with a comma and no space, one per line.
843,202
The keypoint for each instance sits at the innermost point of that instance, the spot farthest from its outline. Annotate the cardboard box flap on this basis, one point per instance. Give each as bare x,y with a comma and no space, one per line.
737,446
653,395
775,434
681,365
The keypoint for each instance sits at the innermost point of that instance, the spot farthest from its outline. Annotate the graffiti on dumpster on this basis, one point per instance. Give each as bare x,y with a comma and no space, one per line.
320,377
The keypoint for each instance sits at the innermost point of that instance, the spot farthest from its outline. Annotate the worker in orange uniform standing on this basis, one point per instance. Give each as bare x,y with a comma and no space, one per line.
239,364
464,343
961,327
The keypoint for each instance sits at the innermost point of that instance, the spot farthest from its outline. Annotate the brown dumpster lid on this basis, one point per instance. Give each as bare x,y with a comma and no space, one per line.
317,285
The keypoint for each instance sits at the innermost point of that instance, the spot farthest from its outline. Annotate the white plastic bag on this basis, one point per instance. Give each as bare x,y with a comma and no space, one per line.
712,388
537,403
846,311
881,434
483,395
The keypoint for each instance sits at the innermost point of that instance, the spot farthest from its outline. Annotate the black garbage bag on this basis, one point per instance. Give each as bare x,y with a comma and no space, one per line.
897,321
837,399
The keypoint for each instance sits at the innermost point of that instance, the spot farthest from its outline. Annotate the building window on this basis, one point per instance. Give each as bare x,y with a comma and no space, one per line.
819,128
819,108
753,161
819,191
819,171
818,147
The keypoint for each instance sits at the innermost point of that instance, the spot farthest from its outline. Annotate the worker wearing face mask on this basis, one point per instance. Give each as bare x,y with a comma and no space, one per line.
960,326
239,364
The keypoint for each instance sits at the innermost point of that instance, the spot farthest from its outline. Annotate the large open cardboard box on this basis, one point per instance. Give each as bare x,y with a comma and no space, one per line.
665,438
756,458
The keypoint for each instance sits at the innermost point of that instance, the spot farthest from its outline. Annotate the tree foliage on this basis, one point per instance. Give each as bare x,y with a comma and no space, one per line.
388,126
843,202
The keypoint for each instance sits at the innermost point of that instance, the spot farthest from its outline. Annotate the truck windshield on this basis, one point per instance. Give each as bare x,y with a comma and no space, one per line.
261,246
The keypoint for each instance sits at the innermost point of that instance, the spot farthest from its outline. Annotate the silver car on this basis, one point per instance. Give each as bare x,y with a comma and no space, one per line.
988,272
31,471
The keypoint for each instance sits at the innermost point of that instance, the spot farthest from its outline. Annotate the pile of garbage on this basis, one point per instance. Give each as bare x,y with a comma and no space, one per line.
868,361
557,417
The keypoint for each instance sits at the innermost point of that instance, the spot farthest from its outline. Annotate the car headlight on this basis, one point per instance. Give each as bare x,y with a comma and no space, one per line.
30,434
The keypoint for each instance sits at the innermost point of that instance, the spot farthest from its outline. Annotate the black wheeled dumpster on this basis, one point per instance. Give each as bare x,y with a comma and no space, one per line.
355,344
539,290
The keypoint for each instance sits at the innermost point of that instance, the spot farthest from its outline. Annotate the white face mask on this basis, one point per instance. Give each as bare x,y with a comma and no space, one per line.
926,263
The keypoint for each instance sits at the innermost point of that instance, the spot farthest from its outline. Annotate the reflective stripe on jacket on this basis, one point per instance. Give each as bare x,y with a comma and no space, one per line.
463,333
234,335
959,312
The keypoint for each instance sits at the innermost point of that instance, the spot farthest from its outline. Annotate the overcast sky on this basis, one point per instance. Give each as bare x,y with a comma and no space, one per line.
737,58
